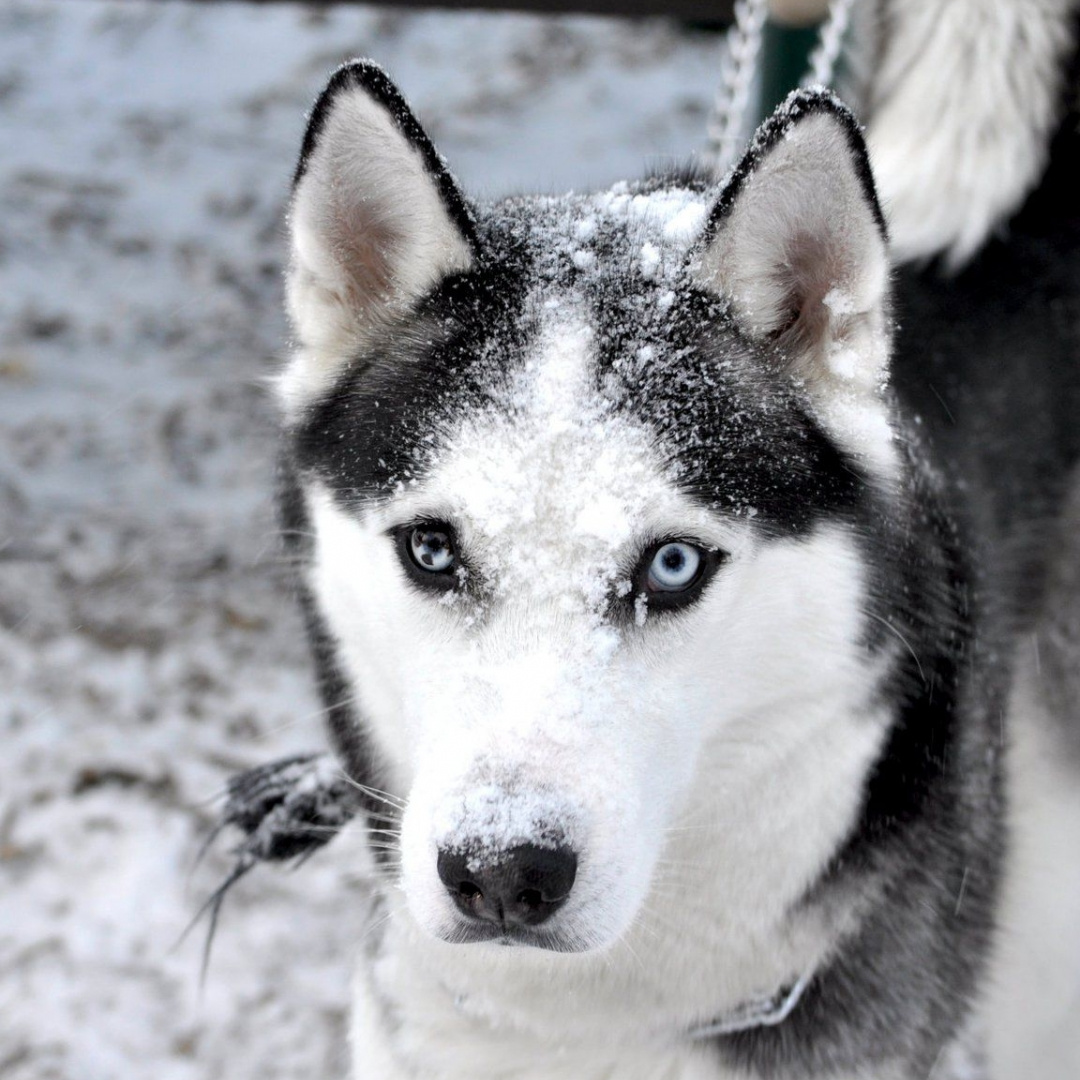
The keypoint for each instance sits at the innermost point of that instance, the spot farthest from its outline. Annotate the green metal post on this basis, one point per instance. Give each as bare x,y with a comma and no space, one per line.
785,55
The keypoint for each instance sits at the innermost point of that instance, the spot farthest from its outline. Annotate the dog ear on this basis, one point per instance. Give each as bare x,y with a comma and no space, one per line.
796,244
376,222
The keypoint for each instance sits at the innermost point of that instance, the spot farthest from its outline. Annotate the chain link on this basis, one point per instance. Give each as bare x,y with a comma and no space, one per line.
830,41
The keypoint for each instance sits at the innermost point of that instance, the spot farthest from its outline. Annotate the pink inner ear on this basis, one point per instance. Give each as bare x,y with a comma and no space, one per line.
810,269
365,247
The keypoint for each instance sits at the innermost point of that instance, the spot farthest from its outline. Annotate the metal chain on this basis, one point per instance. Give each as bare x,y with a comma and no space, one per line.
743,45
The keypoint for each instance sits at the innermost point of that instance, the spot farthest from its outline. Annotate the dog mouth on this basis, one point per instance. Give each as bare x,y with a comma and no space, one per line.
507,935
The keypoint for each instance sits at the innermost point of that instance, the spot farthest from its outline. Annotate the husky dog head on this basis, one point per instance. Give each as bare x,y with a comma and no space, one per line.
586,480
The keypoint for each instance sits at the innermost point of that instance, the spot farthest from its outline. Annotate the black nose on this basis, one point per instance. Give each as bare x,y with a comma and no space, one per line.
522,886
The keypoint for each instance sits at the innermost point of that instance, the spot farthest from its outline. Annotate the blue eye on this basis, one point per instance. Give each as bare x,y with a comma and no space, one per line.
675,566
431,548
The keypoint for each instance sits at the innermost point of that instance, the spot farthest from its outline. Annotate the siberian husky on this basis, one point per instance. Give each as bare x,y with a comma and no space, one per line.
668,612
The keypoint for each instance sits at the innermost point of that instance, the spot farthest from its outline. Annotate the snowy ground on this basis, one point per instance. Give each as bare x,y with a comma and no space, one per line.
148,642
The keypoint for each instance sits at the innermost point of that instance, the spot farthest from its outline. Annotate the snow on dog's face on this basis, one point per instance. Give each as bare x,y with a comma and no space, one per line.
583,477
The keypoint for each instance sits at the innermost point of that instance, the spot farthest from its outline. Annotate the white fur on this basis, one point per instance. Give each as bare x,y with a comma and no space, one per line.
962,103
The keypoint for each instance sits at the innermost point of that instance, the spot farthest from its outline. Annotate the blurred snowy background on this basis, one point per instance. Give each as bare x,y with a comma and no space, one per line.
149,645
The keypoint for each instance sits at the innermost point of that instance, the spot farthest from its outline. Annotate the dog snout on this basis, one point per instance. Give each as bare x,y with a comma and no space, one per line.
523,886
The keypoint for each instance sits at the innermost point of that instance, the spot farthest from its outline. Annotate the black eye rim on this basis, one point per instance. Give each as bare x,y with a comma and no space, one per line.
711,559
432,580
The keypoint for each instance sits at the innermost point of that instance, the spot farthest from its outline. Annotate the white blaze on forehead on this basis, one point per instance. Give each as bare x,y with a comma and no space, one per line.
548,485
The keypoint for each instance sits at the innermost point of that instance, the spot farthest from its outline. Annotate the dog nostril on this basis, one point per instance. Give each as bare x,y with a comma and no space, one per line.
469,890
530,898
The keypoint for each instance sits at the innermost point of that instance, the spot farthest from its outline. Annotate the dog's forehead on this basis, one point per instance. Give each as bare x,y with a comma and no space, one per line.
576,385
553,478
553,482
